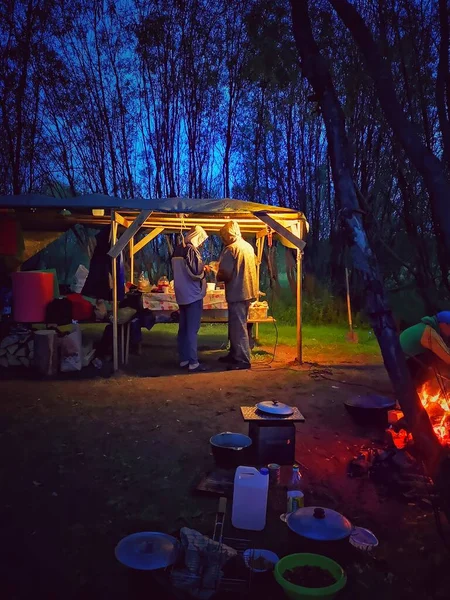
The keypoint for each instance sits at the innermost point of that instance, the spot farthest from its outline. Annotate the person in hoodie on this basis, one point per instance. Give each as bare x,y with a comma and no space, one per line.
426,345
190,289
237,269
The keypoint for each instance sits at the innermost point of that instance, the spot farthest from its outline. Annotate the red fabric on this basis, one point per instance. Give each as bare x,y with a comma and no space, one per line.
82,309
8,236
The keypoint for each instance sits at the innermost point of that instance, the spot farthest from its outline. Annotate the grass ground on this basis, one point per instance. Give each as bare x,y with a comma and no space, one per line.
88,461
317,339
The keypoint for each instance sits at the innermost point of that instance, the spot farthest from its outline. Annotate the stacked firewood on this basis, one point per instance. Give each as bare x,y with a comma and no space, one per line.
17,350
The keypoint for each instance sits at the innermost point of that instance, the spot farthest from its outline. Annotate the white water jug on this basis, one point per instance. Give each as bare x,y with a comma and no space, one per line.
250,498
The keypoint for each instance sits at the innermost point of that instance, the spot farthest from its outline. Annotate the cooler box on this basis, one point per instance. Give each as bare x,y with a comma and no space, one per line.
272,442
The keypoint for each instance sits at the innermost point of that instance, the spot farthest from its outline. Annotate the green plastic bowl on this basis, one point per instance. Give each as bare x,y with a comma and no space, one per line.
314,560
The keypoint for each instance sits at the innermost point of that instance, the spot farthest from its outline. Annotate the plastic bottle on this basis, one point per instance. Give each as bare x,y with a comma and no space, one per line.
294,490
250,498
6,303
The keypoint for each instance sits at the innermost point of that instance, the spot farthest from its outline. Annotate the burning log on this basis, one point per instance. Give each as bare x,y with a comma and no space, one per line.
437,405
399,439
394,416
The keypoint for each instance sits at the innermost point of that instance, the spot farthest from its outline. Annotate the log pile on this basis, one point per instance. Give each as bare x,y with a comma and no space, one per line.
17,350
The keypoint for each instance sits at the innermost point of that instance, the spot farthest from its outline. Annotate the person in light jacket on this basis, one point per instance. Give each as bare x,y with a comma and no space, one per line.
237,269
190,289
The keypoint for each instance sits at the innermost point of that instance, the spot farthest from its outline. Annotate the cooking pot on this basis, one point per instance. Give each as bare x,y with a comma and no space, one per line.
230,449
325,531
370,409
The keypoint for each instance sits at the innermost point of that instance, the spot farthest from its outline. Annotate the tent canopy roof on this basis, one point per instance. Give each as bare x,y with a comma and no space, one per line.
172,214
164,205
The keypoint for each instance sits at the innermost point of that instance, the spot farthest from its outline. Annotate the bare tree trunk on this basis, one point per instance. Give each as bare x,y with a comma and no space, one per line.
315,69
442,80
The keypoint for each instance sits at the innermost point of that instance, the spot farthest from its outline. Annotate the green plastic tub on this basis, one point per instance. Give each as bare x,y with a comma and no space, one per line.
314,560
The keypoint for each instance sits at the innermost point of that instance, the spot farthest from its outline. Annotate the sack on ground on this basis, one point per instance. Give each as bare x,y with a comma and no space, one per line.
45,357
72,351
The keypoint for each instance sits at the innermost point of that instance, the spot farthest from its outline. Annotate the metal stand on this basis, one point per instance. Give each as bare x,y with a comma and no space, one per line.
209,579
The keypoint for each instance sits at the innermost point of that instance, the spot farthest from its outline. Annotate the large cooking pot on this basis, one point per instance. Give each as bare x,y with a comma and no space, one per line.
230,449
325,531
371,409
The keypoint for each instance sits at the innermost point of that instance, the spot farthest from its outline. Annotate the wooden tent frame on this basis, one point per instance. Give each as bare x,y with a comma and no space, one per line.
133,214
290,226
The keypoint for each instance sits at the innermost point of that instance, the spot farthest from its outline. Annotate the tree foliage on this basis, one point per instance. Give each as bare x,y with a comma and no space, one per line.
188,97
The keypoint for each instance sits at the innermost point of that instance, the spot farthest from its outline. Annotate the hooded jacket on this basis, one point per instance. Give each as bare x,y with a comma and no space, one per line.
424,337
237,266
188,268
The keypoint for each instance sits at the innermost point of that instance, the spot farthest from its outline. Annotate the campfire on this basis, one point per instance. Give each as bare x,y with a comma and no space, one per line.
437,405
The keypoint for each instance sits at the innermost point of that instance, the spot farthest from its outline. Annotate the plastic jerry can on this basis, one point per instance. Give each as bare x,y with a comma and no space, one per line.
250,498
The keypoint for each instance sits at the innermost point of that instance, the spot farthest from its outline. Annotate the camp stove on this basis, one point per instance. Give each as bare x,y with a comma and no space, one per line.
271,427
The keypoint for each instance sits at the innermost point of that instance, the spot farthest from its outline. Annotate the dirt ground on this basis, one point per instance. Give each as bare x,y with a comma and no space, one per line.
87,461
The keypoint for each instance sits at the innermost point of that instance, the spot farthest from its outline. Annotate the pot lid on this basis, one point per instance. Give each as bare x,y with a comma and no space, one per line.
273,407
318,523
147,550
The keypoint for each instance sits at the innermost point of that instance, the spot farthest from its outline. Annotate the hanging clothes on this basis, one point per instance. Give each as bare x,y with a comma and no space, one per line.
12,244
98,283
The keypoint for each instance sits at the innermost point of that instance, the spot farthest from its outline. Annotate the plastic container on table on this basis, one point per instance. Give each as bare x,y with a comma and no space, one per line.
250,498
298,592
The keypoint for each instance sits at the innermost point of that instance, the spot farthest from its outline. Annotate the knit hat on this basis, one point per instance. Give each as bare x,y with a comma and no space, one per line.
444,317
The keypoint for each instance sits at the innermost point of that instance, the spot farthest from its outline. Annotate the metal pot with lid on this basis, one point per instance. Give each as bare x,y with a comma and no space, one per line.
320,524
273,407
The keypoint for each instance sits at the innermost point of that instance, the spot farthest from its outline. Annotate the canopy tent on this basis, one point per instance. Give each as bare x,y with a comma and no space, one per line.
169,215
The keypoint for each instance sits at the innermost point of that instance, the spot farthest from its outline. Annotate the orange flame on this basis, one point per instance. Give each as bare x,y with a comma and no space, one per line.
437,406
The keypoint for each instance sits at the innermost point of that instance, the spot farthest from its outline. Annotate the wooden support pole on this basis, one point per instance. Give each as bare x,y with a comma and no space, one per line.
148,238
132,260
299,308
114,294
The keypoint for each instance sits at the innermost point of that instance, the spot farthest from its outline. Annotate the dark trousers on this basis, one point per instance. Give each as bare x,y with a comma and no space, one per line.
238,332
190,318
